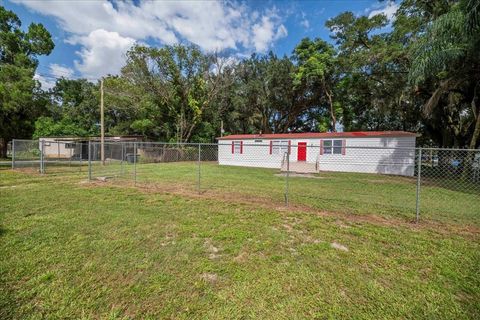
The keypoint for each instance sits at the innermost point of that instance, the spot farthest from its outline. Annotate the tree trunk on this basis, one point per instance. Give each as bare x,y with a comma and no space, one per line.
3,147
476,113
473,142
476,132
332,111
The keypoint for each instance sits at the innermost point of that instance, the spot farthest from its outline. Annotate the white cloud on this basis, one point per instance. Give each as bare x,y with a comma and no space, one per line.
102,53
55,71
46,82
59,71
212,25
305,23
282,32
266,32
389,10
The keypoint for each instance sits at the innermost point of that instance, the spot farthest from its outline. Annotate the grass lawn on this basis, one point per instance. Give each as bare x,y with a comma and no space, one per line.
350,193
71,249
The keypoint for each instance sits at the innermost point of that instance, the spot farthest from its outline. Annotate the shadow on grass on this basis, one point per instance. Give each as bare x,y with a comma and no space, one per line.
3,231
9,303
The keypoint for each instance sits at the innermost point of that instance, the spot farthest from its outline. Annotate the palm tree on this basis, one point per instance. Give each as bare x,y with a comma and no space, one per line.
447,54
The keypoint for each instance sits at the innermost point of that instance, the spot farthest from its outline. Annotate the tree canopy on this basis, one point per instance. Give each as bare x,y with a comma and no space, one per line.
21,101
419,71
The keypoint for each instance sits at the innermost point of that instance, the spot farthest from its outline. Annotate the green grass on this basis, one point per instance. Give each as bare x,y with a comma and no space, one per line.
75,250
350,193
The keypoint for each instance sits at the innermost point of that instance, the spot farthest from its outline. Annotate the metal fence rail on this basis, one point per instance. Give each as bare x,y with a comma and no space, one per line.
393,180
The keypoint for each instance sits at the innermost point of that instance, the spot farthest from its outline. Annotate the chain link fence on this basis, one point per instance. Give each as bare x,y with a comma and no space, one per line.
118,162
49,156
26,155
433,183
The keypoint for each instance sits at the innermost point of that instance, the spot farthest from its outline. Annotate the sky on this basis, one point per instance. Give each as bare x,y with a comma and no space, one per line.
92,36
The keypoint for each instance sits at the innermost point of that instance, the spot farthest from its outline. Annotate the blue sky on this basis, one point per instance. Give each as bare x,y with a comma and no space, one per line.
91,37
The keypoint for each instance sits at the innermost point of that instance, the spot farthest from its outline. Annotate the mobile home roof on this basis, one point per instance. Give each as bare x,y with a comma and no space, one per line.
307,135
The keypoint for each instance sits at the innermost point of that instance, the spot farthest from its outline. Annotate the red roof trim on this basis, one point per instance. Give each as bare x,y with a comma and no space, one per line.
358,134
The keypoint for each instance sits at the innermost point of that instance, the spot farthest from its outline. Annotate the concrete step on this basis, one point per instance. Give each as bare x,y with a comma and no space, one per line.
300,167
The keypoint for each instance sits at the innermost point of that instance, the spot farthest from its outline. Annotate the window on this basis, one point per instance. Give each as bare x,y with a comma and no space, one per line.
69,145
332,146
279,147
237,146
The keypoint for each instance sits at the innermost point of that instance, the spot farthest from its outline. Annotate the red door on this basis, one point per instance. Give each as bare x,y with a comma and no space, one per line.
302,151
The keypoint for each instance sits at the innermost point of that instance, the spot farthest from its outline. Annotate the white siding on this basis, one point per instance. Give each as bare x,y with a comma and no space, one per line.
255,154
377,155
55,148
400,161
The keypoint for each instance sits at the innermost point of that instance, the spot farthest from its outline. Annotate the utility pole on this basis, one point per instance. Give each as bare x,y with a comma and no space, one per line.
221,128
102,126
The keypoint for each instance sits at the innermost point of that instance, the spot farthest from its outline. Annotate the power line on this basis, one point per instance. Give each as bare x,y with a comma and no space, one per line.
49,70
55,77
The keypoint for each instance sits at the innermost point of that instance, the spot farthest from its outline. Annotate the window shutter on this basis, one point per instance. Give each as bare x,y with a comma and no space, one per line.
233,147
241,147
321,147
289,146
271,146
344,143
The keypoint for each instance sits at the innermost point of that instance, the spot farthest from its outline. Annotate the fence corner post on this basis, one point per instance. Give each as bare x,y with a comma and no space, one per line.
13,153
199,164
419,177
89,161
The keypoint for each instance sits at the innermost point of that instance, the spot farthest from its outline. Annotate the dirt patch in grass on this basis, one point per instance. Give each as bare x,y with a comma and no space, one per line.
213,252
300,175
211,278
269,203
241,257
339,246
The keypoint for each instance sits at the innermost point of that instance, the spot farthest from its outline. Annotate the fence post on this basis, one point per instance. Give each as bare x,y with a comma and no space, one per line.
123,156
419,174
89,161
81,155
286,179
42,157
135,163
199,163
13,153
69,159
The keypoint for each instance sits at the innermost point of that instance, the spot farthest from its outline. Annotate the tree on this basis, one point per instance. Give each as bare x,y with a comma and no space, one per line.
48,127
316,74
78,102
265,98
20,99
447,61
373,86
178,86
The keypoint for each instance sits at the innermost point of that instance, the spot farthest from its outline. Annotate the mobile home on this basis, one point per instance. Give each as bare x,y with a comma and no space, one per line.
385,152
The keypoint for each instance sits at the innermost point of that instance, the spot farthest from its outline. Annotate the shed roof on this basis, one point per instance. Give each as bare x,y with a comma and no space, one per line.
306,135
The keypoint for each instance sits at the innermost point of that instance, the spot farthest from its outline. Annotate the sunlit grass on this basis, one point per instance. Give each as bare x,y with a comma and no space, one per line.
75,250
355,193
